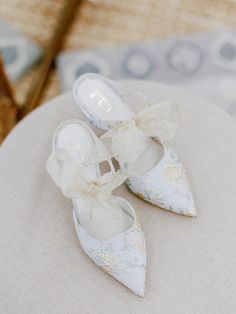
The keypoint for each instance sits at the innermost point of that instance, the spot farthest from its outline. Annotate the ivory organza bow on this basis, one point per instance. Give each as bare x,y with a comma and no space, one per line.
130,138
73,182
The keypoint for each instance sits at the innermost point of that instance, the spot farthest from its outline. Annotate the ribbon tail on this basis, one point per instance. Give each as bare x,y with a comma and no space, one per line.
105,204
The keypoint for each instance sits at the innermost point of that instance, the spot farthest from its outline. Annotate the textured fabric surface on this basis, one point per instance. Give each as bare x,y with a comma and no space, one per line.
191,262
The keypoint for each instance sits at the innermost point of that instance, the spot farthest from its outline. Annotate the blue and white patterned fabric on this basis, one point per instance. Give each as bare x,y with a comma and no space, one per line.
19,52
203,63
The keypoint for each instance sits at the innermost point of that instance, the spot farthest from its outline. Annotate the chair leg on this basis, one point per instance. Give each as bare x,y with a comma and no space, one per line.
8,106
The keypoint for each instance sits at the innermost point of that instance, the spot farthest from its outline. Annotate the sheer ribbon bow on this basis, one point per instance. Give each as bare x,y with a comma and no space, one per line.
129,138
73,180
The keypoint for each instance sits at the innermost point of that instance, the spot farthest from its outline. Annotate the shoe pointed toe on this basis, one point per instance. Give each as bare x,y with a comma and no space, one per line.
182,204
123,256
166,186
135,282
132,273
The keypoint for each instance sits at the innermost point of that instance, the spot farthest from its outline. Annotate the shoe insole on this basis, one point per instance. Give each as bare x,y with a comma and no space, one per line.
101,222
104,101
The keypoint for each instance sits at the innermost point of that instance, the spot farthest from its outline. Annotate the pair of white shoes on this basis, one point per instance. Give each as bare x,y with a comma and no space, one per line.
139,138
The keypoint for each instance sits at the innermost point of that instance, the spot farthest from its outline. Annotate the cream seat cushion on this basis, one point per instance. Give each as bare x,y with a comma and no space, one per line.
191,262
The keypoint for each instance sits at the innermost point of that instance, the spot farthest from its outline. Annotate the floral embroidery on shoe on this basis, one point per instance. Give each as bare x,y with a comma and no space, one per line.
174,173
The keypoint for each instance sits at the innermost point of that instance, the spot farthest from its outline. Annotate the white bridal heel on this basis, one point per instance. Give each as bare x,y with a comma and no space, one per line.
140,140
107,226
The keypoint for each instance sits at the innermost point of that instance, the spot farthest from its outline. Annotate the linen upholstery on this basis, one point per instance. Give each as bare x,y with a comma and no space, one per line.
191,262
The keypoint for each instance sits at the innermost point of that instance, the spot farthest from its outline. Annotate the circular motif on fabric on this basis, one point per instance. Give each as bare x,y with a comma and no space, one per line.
185,57
137,64
81,64
224,51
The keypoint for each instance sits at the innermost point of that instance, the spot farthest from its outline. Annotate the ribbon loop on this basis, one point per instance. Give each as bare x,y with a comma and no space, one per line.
129,138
